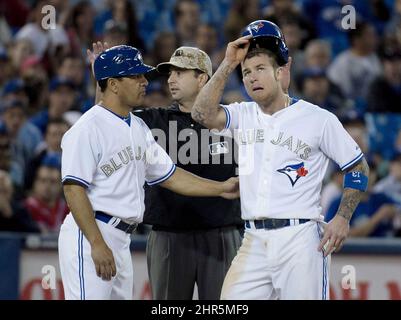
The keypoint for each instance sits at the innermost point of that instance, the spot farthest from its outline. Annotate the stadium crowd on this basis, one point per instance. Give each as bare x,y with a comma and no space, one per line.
46,83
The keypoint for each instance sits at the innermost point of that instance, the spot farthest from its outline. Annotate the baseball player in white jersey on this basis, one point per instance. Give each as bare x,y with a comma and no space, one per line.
107,157
284,150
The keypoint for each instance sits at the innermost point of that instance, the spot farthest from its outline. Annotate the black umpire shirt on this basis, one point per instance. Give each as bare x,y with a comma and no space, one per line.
193,148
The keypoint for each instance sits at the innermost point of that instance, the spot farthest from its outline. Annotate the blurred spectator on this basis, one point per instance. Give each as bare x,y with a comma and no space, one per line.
35,83
15,89
124,13
45,41
62,9
187,19
12,167
118,24
241,13
293,38
156,95
317,54
287,12
15,12
397,142
317,88
354,69
46,205
79,27
208,41
374,215
13,216
19,51
328,18
33,30
385,91
24,136
115,33
6,70
59,42
61,102
395,20
332,190
5,31
51,147
378,12
391,184
164,46
355,125
206,38
72,68
384,132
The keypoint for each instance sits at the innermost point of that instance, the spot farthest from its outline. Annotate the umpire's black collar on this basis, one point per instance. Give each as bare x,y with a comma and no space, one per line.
176,108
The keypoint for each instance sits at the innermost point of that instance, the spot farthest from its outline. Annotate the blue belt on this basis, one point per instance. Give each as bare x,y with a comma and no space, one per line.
269,224
123,226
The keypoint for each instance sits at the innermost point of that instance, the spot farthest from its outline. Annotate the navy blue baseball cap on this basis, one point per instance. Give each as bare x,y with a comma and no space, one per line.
266,34
120,61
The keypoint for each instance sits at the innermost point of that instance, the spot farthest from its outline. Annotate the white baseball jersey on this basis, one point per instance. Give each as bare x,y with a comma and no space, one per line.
113,158
283,157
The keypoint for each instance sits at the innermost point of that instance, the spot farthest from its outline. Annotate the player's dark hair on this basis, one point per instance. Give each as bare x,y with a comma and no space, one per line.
199,72
102,85
258,51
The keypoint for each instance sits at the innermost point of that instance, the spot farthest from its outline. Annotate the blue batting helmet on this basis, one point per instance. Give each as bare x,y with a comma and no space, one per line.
266,34
120,61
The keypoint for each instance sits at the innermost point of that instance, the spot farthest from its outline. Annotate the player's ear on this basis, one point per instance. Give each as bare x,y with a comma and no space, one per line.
280,70
112,84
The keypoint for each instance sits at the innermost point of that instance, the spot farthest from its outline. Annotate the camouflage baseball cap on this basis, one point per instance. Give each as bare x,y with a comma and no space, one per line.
188,58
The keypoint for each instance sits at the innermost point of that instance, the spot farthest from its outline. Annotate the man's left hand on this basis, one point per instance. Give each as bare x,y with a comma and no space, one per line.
335,232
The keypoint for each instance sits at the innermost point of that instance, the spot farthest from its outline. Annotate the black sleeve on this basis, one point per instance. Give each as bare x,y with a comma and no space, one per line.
148,115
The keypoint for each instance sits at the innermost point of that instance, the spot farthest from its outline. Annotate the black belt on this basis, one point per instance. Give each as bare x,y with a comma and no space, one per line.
121,225
273,223
191,229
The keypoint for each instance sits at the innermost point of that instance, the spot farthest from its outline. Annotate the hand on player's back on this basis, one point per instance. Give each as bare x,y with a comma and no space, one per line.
104,261
98,47
231,188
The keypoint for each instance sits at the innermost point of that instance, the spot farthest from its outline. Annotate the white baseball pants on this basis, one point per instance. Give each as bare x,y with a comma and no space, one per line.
78,271
279,264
